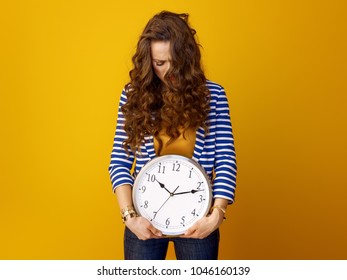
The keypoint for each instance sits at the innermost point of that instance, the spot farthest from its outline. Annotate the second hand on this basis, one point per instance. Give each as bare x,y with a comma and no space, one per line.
171,194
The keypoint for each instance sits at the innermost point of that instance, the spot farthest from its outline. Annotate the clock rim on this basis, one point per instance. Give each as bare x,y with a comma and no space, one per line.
180,157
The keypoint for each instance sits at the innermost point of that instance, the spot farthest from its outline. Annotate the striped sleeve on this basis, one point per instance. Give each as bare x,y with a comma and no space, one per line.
121,163
225,161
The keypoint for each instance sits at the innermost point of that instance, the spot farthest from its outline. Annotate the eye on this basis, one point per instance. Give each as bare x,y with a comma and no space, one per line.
159,63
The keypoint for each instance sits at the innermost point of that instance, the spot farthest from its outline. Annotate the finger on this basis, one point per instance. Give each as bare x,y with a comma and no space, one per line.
146,234
142,229
154,231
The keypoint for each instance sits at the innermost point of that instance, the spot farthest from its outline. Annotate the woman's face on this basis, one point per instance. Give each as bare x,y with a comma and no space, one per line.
161,58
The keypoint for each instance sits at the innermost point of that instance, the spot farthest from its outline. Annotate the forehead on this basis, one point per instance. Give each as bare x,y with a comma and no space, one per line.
160,50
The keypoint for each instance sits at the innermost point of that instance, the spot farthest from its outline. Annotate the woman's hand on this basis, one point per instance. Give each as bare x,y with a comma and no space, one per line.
205,226
142,228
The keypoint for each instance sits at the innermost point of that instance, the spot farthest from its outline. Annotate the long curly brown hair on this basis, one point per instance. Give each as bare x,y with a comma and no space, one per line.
182,100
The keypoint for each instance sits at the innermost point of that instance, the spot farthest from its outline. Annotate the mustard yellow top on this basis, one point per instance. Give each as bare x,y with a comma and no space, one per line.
183,145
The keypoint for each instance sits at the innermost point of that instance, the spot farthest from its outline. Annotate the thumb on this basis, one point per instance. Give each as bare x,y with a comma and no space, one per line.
190,230
155,231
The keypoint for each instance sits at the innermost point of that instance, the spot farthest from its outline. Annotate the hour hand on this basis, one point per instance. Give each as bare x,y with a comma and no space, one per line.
192,191
163,186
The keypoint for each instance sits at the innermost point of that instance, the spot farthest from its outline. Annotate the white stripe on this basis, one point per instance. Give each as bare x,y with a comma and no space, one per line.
117,153
220,177
119,169
122,160
223,190
209,153
225,197
224,126
122,179
227,166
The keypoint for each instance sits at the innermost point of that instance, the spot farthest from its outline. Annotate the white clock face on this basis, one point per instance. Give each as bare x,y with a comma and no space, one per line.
172,192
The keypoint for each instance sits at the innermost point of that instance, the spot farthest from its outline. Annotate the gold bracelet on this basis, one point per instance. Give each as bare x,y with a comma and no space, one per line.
127,212
218,207
126,208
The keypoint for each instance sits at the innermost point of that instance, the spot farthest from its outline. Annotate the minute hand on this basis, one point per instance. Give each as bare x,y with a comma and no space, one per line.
192,191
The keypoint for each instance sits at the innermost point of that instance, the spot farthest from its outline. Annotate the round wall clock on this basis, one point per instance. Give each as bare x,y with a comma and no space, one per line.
172,192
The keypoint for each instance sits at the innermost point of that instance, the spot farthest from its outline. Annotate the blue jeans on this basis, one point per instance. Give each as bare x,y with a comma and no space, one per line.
185,248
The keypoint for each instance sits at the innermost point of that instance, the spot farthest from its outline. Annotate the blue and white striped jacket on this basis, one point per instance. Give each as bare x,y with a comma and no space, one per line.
214,151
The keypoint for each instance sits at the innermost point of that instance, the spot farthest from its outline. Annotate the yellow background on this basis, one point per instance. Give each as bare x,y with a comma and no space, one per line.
63,66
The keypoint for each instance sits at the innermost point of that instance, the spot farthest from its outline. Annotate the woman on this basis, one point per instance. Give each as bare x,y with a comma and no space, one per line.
169,107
